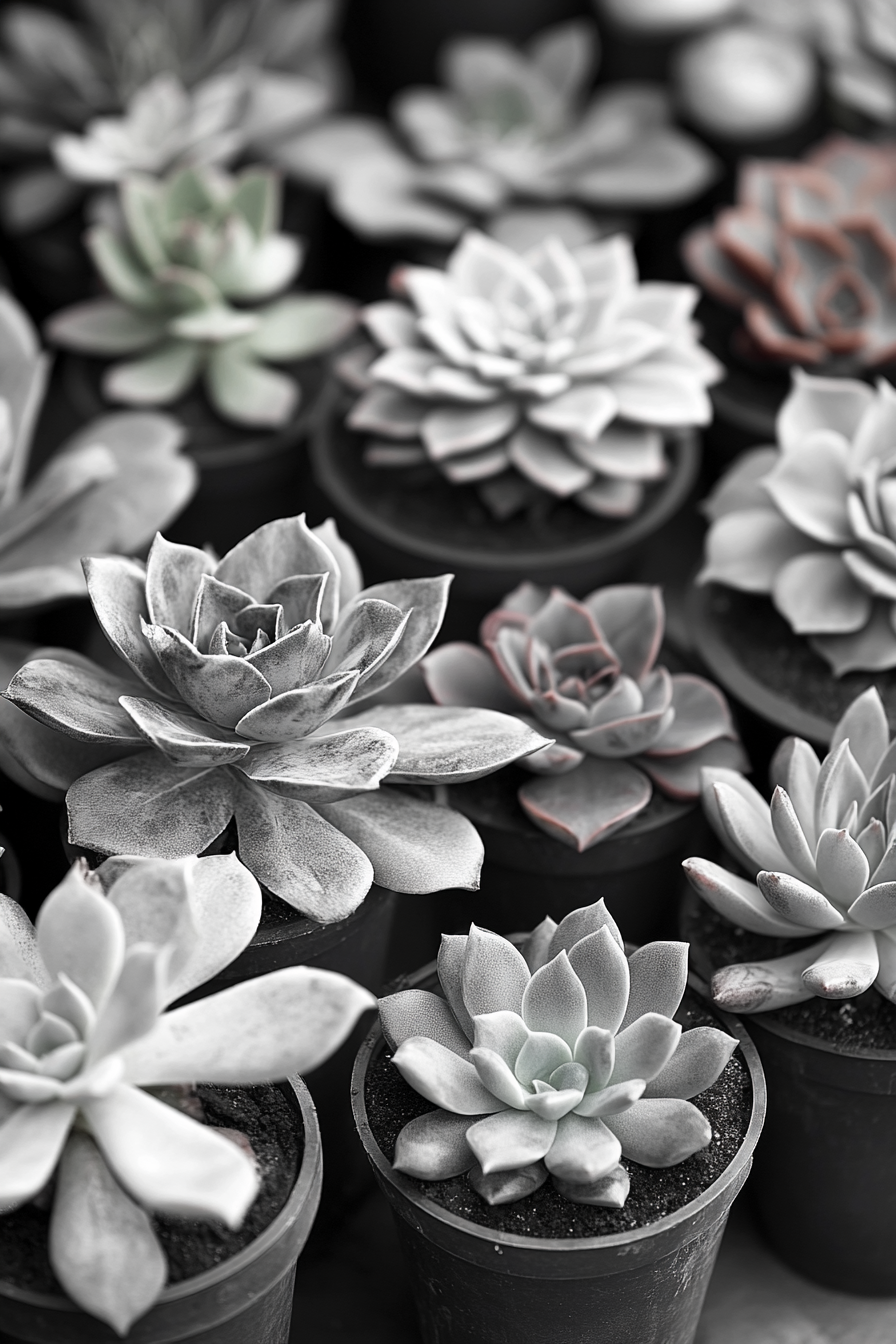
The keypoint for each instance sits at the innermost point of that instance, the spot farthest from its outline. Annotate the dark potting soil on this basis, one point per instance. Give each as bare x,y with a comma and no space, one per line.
655,1192
269,1122
867,1022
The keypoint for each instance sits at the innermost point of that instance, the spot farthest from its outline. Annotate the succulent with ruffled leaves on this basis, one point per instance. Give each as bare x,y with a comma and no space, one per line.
822,865
86,1043
559,1058
554,372
586,673
225,705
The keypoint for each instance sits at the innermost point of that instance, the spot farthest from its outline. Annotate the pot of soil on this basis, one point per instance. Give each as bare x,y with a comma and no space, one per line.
824,1183
547,1269
223,1287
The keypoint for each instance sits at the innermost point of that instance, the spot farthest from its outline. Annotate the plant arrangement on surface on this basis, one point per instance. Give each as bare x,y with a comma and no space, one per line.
560,1058
553,372
86,1039
198,253
233,672
586,673
812,523
822,860
509,126
806,256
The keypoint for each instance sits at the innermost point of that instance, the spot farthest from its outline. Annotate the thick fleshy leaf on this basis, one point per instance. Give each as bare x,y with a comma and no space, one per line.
555,1001
701,714
536,947
542,1052
797,902
419,1012
157,379
182,738
173,575
866,728
699,1059
218,687
425,601
301,326
816,594
791,836
583,1150
225,908
443,1078
464,674
750,828
610,1191
847,966
870,649
680,777
495,974
876,907
810,486
452,431
506,1187
322,769
738,900
602,968
450,964
449,745
366,633
248,392
80,701
588,804
762,986
842,866
645,1047
596,1050
80,935
661,1132
840,784
813,404
434,1147
585,411
611,1100
20,958
579,924
510,1139
499,1078
795,767
31,1140
503,1033
117,592
749,548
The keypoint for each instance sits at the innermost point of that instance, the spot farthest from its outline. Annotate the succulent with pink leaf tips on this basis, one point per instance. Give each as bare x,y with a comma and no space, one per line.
813,522
586,673
554,371
85,1040
223,706
822,865
560,1058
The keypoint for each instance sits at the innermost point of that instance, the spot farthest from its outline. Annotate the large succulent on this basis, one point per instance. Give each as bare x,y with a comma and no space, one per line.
585,672
223,706
556,366
822,865
561,1058
813,522
509,125
198,253
807,254
85,1040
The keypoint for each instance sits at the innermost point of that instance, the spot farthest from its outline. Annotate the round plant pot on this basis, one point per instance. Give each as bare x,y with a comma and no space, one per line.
245,1298
475,1285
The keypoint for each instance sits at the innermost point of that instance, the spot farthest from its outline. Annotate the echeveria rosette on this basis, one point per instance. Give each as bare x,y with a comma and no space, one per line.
559,1059
586,673
225,705
812,523
556,369
189,273
822,860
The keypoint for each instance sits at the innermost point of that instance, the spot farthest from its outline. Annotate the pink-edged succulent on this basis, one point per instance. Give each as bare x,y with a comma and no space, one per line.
808,255
812,523
586,672
561,1058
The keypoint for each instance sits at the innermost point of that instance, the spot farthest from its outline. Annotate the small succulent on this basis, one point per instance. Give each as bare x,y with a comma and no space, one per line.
556,367
509,125
85,1040
806,255
822,865
223,705
198,253
559,1059
813,522
585,673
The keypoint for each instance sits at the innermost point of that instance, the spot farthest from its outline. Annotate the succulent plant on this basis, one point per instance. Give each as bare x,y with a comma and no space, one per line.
806,255
822,865
556,367
559,1058
812,523
508,125
198,253
85,1040
585,673
223,706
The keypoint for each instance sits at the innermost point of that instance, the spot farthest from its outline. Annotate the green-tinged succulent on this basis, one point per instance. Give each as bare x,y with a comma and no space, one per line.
554,372
586,673
189,272
812,523
224,706
86,1043
561,1058
110,486
822,865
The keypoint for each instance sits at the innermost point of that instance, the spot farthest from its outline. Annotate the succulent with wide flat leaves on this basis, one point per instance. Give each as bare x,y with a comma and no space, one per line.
558,1058
224,706
822,865
586,673
85,1040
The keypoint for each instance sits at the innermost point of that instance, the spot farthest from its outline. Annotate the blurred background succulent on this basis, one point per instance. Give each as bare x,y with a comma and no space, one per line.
189,271
560,1058
822,865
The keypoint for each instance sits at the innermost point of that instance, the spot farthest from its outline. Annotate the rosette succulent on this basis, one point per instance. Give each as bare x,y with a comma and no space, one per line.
586,673
556,367
85,1043
813,522
223,706
199,252
559,1059
807,256
822,865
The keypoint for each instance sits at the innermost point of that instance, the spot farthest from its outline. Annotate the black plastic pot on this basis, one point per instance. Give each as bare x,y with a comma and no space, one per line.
246,1298
475,1285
